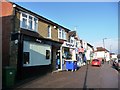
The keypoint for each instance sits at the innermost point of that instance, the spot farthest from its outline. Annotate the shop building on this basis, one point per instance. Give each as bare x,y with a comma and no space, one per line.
68,53
30,42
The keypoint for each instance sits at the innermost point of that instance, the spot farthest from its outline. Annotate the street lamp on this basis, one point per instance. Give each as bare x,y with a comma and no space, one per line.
104,46
104,42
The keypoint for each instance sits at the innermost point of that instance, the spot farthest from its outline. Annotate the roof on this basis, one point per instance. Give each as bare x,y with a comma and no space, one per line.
39,16
72,33
101,49
90,45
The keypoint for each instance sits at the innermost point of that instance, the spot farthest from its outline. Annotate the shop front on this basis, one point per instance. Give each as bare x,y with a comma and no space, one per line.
68,53
34,55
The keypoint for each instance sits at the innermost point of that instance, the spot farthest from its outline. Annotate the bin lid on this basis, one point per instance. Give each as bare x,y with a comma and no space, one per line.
9,67
70,60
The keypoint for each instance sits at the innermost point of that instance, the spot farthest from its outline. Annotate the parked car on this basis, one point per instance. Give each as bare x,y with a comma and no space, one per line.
116,64
96,62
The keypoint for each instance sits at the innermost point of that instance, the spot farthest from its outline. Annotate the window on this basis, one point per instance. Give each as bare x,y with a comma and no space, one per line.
71,39
61,34
47,54
28,22
26,57
35,24
49,31
65,35
24,20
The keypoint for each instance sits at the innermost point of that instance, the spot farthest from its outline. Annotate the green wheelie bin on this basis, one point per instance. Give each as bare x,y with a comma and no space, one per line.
8,76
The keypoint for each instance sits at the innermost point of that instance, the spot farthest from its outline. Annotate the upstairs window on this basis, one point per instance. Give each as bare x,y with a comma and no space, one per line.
24,20
49,31
28,22
61,34
35,24
71,39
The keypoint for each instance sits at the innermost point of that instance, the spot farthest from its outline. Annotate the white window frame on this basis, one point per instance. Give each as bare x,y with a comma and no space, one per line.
63,34
49,31
36,24
59,34
21,19
33,22
72,40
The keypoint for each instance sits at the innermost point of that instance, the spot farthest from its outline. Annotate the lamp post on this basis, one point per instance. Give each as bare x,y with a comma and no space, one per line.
104,42
104,47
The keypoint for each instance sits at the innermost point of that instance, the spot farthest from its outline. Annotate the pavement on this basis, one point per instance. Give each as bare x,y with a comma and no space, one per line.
85,77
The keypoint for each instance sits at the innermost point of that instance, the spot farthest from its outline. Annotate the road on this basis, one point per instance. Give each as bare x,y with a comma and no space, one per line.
86,77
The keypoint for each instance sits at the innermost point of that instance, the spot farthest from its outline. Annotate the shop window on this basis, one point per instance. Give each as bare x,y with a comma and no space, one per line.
47,54
26,57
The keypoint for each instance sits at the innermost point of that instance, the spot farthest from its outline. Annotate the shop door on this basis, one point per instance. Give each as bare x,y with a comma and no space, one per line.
58,61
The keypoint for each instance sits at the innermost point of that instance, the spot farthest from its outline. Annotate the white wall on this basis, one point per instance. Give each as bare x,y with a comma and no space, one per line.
84,44
37,53
98,54
87,55
73,54
101,54
107,55
114,56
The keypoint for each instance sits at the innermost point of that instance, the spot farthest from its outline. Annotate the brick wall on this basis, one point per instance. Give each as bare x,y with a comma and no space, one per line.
7,20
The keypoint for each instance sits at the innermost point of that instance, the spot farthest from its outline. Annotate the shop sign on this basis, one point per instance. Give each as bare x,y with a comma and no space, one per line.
81,50
67,44
37,40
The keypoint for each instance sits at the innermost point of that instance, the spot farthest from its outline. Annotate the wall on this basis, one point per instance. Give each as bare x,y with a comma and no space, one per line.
7,20
42,28
99,54
114,56
87,55
107,55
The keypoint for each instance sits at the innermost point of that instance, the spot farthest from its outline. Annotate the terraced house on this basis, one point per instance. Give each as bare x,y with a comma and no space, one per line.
31,42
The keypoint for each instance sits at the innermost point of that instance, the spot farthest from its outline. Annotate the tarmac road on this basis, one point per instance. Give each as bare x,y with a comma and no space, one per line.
86,77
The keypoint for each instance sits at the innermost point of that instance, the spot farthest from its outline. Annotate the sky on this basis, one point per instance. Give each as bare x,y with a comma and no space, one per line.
93,21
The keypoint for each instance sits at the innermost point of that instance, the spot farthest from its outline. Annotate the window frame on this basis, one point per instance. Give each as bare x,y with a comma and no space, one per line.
47,54
61,34
26,60
49,28
33,22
